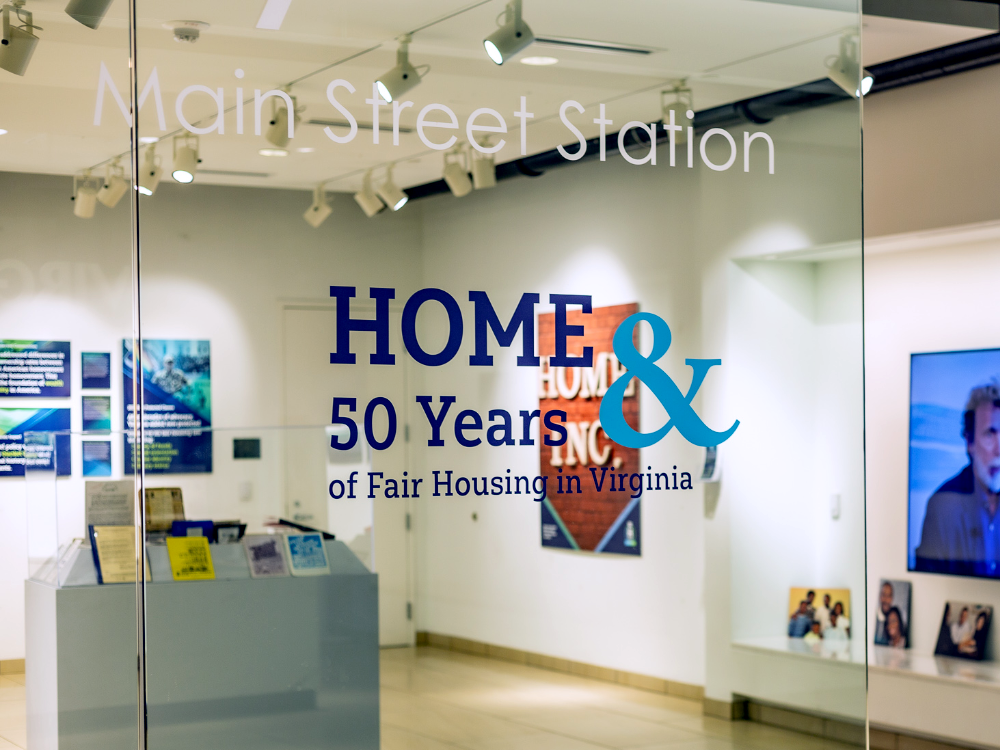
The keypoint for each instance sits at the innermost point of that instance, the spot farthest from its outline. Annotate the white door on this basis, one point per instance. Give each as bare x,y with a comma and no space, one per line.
310,384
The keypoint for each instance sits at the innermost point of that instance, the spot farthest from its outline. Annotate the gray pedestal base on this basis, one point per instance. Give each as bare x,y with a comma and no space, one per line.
241,664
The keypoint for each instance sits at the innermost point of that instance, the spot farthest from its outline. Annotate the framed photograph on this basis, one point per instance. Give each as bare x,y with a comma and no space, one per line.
819,614
892,614
964,630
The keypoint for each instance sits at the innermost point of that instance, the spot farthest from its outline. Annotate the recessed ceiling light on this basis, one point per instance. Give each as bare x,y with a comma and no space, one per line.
147,139
273,152
3,132
539,60
305,150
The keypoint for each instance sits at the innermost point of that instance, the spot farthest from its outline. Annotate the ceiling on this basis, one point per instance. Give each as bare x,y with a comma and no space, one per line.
726,49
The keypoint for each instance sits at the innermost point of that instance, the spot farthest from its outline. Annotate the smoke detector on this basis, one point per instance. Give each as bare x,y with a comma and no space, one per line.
186,31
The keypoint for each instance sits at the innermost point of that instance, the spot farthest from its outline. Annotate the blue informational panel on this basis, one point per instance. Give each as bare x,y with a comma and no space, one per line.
34,439
34,369
96,458
178,405
95,370
96,414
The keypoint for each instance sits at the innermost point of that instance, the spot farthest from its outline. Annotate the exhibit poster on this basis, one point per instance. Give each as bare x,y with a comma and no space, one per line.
34,369
954,462
34,439
95,369
593,507
96,414
177,405
96,458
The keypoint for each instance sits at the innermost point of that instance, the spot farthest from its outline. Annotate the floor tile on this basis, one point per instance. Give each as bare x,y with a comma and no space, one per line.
394,738
18,737
603,727
440,700
536,741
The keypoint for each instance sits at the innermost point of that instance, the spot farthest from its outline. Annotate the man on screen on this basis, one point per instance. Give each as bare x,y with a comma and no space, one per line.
961,533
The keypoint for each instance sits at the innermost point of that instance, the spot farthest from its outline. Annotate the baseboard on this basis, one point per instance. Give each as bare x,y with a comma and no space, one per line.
735,710
567,666
851,733
11,666
806,723
886,738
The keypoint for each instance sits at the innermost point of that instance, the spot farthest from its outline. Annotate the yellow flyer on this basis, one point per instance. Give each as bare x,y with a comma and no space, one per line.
190,558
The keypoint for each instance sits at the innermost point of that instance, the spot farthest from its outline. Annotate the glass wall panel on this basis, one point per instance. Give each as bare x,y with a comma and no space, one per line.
552,316
68,636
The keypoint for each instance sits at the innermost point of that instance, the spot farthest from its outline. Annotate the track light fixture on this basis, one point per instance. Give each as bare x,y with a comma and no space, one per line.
150,173
484,171
404,76
17,43
84,199
679,101
114,186
512,36
390,193
186,159
277,128
370,203
845,68
317,213
88,12
456,174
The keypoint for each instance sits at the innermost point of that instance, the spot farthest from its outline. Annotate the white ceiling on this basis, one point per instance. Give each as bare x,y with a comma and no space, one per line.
727,49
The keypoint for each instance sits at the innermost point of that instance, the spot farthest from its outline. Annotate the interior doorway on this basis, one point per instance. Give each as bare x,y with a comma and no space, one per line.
376,529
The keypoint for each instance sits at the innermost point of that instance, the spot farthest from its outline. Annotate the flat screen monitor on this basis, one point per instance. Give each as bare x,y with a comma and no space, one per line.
954,475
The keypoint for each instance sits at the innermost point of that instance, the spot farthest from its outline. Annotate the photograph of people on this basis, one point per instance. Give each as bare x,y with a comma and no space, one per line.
959,533
964,630
895,633
811,613
800,622
892,595
814,635
836,631
842,620
822,614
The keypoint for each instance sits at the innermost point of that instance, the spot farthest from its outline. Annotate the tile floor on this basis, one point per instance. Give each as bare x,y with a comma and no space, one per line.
13,731
439,700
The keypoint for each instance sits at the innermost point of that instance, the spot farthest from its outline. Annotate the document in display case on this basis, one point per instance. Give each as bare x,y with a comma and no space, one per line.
190,558
307,555
266,555
164,505
114,554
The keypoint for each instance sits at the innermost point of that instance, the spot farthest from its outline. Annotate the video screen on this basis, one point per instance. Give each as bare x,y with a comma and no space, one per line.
954,476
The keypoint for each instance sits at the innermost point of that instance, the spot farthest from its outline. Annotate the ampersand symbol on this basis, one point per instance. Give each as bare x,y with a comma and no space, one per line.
678,405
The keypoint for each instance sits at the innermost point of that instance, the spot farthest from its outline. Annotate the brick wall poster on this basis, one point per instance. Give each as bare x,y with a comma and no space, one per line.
586,507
